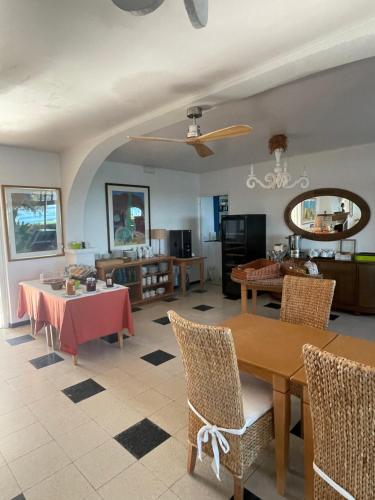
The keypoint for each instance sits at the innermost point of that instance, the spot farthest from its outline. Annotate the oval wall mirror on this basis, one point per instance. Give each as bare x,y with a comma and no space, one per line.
327,214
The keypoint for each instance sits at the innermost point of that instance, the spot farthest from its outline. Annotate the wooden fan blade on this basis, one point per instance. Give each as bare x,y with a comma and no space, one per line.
225,133
159,139
201,149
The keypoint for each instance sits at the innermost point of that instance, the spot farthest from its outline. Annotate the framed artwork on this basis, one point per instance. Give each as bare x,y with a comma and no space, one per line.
33,222
348,246
308,211
128,216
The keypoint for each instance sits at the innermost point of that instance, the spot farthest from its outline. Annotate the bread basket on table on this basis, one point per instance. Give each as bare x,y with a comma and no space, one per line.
260,269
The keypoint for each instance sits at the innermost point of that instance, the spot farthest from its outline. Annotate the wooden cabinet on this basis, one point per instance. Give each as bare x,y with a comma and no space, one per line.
366,286
355,284
133,274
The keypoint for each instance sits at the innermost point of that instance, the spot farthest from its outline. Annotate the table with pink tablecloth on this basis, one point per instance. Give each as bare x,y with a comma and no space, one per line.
79,318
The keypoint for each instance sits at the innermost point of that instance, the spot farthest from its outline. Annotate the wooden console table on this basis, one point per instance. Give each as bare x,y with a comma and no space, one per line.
183,263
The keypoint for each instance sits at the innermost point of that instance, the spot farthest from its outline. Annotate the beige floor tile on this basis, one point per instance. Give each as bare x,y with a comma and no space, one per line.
54,402
99,404
168,495
167,461
153,377
15,420
81,440
171,418
149,402
37,391
21,442
117,420
8,485
62,421
67,484
204,484
138,483
105,462
174,388
182,435
39,464
9,399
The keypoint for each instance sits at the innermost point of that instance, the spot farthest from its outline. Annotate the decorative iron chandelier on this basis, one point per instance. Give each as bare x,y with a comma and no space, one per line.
280,177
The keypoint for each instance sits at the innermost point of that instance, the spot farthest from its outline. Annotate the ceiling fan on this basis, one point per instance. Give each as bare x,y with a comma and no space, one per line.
196,139
197,10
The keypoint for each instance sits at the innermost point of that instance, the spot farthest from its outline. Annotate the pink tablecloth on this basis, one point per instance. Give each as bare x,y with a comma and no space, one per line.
79,319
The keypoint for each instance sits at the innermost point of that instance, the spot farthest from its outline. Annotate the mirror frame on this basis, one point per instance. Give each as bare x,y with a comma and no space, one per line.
341,193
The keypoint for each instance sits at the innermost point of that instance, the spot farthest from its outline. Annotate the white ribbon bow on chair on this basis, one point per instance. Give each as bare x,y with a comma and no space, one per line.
208,431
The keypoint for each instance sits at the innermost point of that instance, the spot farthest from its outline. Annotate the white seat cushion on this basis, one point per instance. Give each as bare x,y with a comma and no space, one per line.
256,396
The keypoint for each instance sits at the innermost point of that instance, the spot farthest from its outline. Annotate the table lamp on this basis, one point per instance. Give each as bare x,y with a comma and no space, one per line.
159,234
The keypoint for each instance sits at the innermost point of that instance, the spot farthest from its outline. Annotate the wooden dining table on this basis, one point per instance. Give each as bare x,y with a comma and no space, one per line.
362,351
272,351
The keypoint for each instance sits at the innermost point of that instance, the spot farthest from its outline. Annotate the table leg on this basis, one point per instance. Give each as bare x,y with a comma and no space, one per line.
183,278
32,322
243,298
201,272
254,295
120,338
75,359
49,335
281,408
308,448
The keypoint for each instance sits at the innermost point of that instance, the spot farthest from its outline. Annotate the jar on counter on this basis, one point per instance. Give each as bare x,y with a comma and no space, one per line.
90,284
70,287
109,280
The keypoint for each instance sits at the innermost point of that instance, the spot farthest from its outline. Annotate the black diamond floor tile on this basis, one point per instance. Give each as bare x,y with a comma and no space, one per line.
203,307
46,360
20,340
162,321
297,430
273,305
247,495
158,357
170,299
136,309
83,390
332,317
112,338
142,438
19,497
199,290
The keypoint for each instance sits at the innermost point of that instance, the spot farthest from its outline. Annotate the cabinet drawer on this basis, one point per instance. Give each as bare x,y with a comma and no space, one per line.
344,273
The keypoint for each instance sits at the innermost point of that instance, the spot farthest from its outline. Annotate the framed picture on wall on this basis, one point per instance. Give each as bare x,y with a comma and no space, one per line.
308,208
128,215
33,222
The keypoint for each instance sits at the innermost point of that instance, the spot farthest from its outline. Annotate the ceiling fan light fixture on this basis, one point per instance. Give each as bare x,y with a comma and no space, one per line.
280,177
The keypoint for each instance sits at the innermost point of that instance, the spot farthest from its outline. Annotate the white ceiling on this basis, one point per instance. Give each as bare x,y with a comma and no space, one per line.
71,70
329,110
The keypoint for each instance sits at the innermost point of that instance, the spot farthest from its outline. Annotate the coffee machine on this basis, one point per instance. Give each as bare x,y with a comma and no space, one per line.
294,243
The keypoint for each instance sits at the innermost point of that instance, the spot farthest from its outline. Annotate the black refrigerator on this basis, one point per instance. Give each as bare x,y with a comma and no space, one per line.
243,239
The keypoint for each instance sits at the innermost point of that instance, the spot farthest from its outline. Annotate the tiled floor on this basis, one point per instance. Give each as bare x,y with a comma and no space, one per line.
114,427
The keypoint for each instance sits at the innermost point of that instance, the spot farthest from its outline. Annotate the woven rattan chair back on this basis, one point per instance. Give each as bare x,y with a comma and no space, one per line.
212,377
342,401
307,301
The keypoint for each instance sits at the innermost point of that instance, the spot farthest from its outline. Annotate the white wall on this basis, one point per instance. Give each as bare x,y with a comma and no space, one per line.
350,168
27,167
173,201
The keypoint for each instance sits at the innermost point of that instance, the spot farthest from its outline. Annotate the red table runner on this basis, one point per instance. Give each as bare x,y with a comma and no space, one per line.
78,319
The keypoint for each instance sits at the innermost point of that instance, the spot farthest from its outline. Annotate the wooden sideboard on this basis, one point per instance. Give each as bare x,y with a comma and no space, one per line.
131,273
355,284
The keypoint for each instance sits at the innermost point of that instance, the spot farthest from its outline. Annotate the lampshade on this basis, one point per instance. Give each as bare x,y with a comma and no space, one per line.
158,234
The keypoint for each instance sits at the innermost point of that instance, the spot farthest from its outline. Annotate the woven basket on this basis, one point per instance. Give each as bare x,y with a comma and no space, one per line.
292,268
260,269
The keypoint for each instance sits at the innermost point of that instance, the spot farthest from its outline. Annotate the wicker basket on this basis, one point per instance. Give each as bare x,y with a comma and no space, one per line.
292,268
260,269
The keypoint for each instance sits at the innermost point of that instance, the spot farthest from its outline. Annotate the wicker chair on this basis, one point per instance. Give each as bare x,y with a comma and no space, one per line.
214,389
307,301
342,402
